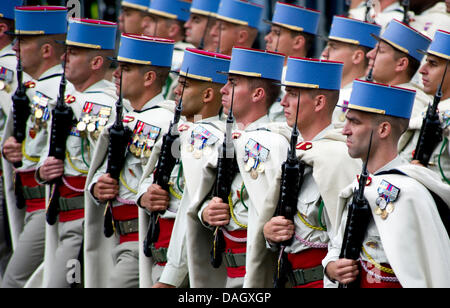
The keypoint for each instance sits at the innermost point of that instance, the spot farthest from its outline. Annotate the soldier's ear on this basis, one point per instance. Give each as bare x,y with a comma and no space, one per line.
97,62
208,95
358,57
402,65
149,78
299,42
384,129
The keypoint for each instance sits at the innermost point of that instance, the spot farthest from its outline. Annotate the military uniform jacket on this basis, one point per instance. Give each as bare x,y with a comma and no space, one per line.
328,170
152,121
411,236
42,94
260,139
100,97
8,82
176,191
433,19
440,159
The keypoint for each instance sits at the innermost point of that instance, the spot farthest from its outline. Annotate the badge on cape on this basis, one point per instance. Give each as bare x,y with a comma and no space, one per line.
254,158
387,195
143,139
39,111
6,78
201,141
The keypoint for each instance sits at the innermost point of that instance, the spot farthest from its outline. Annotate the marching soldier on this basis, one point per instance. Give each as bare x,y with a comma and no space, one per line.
349,42
144,64
434,75
199,91
314,84
37,30
395,60
293,30
200,23
8,83
249,156
237,25
167,21
134,17
403,241
90,45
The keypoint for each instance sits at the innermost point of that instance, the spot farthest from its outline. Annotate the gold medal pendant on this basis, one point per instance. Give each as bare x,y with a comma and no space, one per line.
38,113
133,148
190,148
2,85
378,211
384,214
138,152
390,208
147,153
260,168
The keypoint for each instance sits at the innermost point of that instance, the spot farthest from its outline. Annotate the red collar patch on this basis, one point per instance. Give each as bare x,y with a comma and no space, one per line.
304,146
183,127
236,135
30,84
70,99
128,119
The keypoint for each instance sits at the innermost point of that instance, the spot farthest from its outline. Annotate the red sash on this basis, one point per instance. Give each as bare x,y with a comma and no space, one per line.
28,180
308,259
165,233
126,212
77,182
236,247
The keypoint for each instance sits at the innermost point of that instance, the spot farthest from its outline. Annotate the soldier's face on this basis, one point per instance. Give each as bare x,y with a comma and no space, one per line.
29,53
78,62
279,39
225,34
340,52
384,62
132,81
358,129
157,26
195,28
305,109
130,21
241,98
432,72
191,93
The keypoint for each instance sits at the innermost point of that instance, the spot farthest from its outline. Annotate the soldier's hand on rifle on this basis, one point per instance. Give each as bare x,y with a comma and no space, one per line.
278,229
106,188
51,169
12,150
217,213
155,199
343,270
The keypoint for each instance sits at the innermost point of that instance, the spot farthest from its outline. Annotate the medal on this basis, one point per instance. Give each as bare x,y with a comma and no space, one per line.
390,208
81,126
387,194
91,127
260,168
147,153
197,154
133,148
2,85
38,113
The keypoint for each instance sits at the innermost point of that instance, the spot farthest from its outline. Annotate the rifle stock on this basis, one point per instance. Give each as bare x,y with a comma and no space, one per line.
62,121
164,167
119,137
226,170
292,171
431,131
357,221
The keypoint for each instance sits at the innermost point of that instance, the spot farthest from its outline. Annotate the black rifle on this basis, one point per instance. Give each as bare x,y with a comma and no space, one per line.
119,137
62,122
21,106
166,163
226,171
292,172
406,19
367,17
357,221
431,131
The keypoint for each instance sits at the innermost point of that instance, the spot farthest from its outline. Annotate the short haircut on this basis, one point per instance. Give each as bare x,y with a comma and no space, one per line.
9,23
271,87
162,73
54,41
331,95
309,38
413,64
399,125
